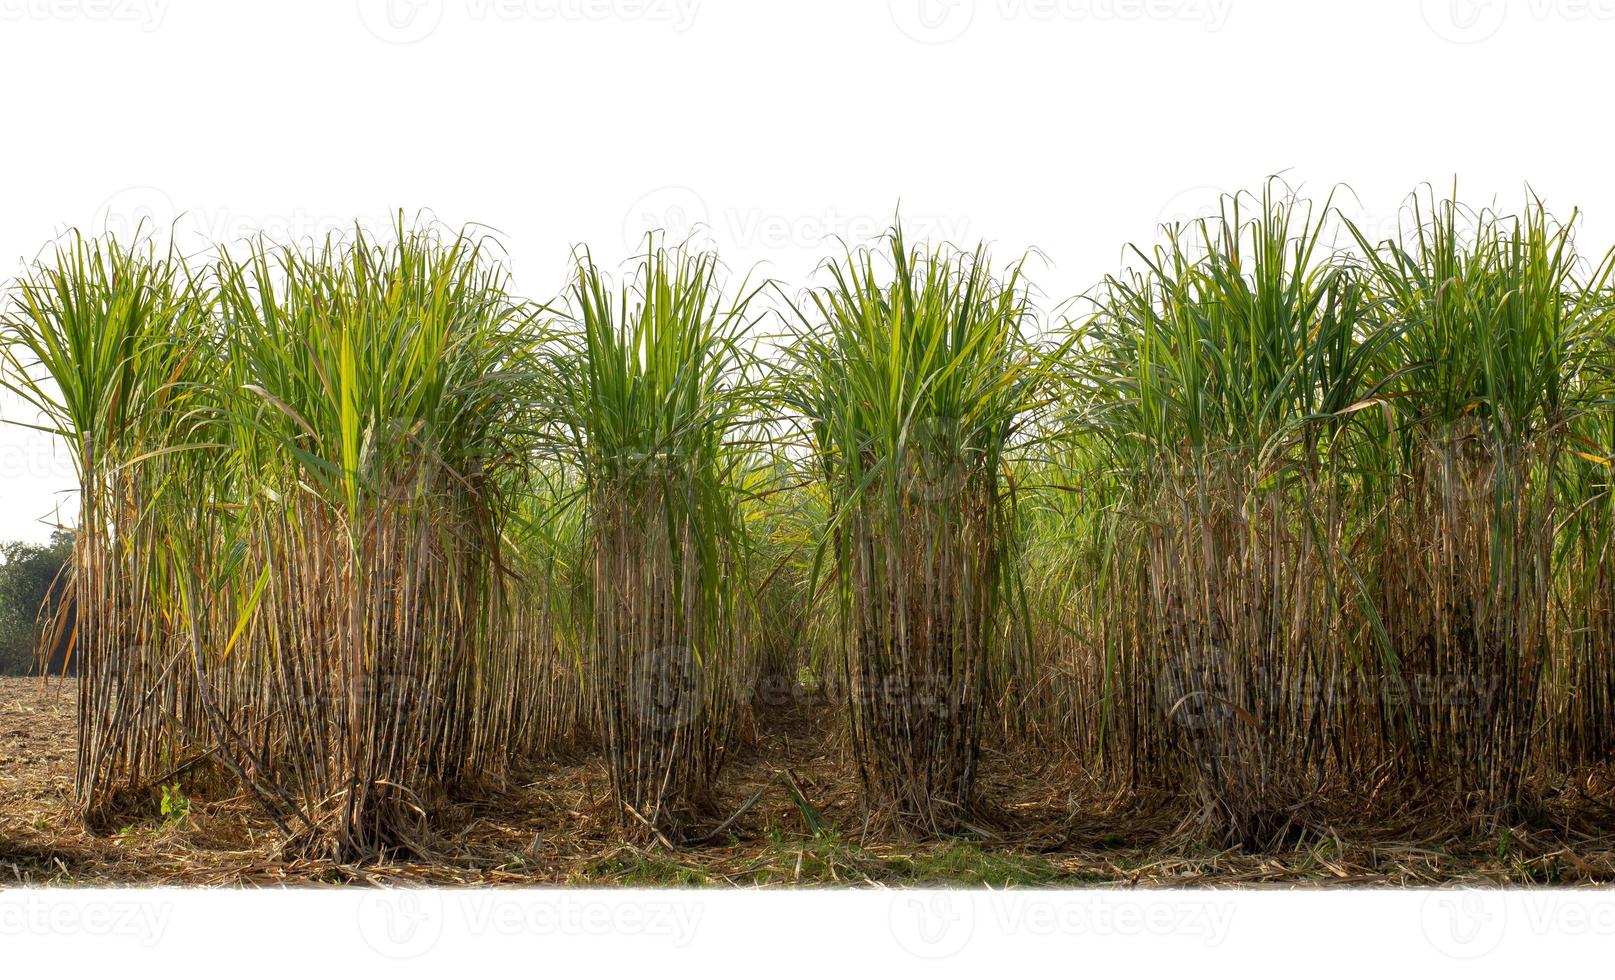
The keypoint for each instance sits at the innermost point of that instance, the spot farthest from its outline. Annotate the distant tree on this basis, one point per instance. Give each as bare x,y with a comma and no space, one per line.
28,572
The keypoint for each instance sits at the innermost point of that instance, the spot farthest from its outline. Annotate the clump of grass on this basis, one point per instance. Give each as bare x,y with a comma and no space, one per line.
109,341
1312,514
1499,325
648,402
369,400
1226,375
968,864
638,869
913,376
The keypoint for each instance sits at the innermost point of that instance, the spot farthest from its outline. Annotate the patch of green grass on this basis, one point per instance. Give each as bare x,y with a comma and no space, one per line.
969,864
645,870
828,860
821,859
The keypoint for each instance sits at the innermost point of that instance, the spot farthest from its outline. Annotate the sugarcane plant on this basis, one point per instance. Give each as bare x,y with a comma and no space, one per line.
1227,375
1499,327
649,398
913,376
372,394
108,342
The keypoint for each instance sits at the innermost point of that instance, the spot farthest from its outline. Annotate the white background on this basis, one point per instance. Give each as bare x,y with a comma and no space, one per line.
1072,126
810,934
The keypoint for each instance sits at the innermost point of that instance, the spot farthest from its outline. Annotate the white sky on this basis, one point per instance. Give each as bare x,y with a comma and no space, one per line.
1069,125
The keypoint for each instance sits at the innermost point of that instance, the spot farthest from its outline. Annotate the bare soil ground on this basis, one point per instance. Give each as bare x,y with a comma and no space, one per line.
805,827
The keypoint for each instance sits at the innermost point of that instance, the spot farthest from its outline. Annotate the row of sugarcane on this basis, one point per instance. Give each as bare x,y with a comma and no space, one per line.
1278,517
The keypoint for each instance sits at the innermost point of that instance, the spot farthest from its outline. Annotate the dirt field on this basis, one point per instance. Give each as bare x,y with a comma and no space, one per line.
553,828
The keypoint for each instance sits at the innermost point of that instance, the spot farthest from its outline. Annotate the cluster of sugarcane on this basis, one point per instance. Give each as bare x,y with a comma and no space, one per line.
292,469
367,530
1279,514
1336,516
